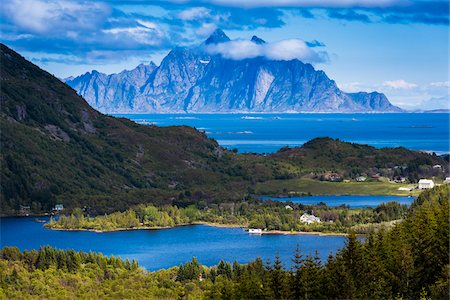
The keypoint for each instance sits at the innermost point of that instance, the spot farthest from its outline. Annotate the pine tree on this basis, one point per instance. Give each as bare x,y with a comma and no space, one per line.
134,265
237,271
296,274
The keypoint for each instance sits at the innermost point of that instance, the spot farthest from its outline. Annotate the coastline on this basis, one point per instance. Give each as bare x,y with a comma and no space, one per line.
305,233
219,225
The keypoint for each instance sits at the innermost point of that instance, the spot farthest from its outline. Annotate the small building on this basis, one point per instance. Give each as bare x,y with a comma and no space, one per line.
361,178
405,189
447,180
425,184
288,207
25,210
400,179
255,230
309,219
58,207
437,167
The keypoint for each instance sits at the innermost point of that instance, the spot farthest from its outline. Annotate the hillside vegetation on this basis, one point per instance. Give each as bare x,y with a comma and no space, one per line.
56,149
410,261
55,146
268,215
350,160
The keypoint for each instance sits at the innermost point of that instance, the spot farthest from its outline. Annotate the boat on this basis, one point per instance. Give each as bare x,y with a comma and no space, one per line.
255,231
40,220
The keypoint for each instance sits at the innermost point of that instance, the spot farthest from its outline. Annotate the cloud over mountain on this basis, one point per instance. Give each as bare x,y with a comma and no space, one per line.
399,84
287,49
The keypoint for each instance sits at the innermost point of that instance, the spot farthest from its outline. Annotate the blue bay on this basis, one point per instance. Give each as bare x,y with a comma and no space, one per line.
352,201
157,249
266,133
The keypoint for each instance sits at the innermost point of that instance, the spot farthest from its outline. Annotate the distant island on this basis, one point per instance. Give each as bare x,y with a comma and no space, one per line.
198,80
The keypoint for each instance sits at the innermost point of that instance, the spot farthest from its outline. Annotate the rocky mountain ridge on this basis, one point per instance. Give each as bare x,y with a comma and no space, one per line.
190,80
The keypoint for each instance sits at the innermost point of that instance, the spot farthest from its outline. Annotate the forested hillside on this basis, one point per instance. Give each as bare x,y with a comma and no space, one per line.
351,160
54,146
411,261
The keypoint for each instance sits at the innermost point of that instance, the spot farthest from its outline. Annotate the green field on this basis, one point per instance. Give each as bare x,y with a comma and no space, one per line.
315,187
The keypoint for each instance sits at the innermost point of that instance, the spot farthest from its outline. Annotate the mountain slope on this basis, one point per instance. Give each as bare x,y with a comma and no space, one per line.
56,147
191,80
352,160
111,91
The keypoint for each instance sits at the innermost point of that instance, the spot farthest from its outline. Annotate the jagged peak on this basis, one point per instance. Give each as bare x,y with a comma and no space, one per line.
218,36
257,40
146,65
95,72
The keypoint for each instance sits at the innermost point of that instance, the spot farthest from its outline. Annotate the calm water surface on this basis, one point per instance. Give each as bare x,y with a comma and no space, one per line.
266,133
352,201
156,249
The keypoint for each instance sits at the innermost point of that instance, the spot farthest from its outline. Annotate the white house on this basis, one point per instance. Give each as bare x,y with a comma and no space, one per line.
425,184
361,178
447,180
255,230
288,207
59,207
309,219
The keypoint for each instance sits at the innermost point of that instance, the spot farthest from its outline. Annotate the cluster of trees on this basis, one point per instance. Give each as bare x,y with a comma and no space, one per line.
114,221
65,274
270,215
410,261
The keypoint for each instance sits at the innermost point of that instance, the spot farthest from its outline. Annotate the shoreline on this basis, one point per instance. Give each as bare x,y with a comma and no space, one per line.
282,232
218,225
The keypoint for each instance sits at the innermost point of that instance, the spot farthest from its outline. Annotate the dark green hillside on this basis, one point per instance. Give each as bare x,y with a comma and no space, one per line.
351,160
54,145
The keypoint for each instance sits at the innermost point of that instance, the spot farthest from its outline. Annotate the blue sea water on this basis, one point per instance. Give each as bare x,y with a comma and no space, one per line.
157,249
352,201
267,133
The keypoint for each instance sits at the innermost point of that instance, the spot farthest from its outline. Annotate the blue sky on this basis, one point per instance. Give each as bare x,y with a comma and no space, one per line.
398,47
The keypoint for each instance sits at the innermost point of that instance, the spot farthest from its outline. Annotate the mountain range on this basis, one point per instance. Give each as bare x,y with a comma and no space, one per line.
191,80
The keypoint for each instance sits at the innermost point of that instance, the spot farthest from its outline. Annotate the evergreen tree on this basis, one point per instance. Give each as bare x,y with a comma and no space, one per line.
296,274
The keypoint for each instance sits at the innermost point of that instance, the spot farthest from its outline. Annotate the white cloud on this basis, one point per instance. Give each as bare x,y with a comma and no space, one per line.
151,35
436,102
282,50
194,13
399,84
206,29
289,49
307,3
440,84
16,37
355,86
236,50
43,16
147,24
